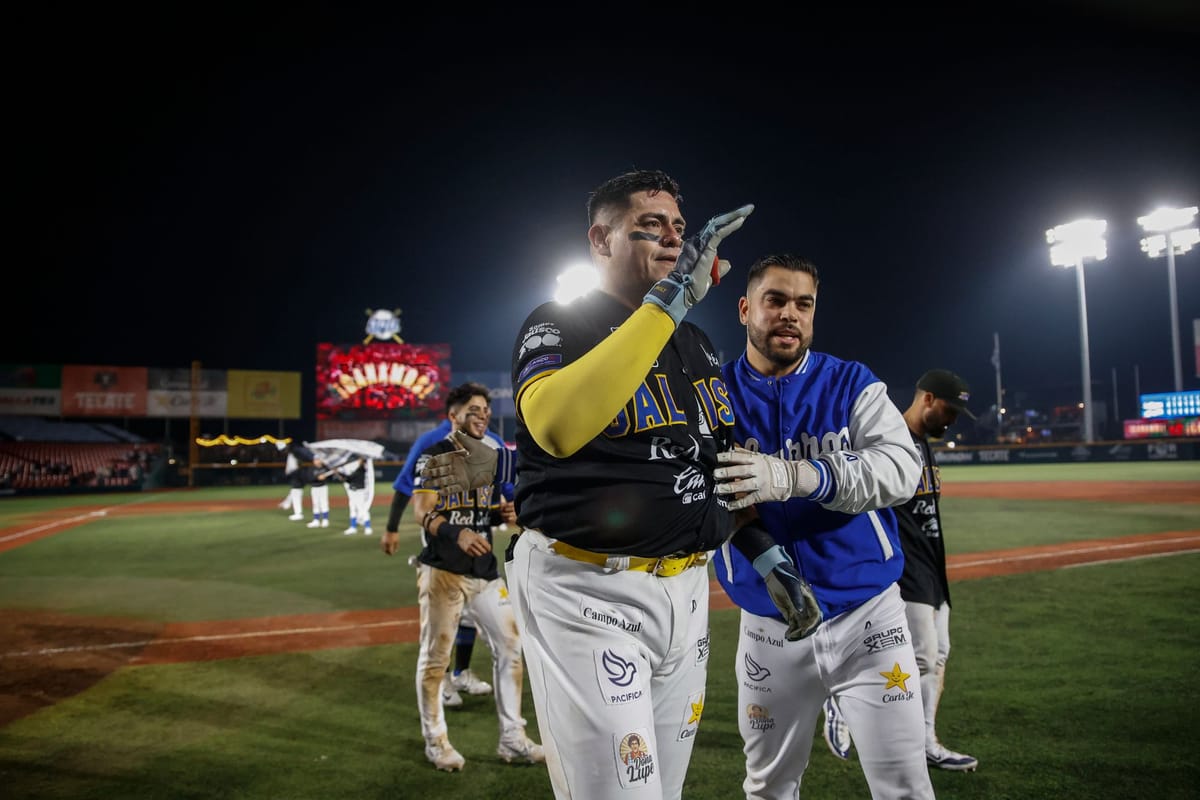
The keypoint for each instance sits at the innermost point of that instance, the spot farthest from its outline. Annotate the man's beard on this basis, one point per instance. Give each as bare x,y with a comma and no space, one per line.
761,342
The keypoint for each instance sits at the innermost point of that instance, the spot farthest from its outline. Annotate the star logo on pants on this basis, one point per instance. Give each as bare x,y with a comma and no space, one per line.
896,677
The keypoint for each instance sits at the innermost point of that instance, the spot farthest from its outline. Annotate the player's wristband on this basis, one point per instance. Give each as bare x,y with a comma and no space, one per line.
450,531
428,518
506,465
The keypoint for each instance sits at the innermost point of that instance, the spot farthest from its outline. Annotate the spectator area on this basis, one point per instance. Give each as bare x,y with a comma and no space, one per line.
48,454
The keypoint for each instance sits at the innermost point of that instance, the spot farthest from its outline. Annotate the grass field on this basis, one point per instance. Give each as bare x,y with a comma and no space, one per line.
1075,683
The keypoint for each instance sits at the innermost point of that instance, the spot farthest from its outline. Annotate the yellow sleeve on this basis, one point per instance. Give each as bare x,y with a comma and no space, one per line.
567,408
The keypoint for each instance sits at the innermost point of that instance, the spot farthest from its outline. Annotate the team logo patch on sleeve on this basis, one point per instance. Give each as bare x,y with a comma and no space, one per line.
549,359
692,711
635,761
618,675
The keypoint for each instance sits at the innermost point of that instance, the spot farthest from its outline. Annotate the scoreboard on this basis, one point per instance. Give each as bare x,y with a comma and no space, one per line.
382,380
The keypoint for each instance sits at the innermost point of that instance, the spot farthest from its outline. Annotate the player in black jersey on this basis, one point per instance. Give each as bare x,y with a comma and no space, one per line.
620,414
457,569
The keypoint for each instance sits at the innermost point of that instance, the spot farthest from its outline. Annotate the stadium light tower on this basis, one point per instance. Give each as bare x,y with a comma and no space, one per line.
1070,246
1170,234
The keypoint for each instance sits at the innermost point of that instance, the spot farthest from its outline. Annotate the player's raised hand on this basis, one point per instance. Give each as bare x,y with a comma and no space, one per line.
472,465
762,478
697,269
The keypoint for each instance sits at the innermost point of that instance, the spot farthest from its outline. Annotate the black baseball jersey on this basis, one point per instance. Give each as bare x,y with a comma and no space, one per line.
357,478
471,509
924,578
644,485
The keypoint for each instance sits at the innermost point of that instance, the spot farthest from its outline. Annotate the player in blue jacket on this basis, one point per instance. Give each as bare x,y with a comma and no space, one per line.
823,454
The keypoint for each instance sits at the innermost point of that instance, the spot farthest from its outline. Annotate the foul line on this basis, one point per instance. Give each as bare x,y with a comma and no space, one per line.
56,523
1056,552
218,637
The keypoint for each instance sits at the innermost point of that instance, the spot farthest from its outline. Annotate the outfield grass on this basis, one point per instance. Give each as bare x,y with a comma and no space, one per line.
1068,684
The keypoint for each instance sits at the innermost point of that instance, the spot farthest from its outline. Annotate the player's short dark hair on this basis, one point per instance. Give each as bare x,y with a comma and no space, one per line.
785,260
460,394
615,192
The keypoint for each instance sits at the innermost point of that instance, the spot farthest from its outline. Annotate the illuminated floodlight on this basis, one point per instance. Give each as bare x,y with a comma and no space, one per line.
1164,219
1070,245
1076,241
1171,236
1181,241
576,281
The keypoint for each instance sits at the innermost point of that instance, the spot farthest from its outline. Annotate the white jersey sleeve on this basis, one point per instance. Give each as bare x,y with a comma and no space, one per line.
882,466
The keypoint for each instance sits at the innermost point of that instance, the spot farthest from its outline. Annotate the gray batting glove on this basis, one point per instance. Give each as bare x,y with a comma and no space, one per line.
795,600
697,269
763,478
471,466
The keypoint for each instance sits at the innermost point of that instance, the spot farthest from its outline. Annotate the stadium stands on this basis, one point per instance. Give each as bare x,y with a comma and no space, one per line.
38,454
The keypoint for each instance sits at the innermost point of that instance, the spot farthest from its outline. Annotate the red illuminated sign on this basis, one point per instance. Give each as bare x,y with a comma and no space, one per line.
381,380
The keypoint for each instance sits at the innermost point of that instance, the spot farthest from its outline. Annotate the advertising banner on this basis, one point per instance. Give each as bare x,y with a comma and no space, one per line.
257,394
103,391
169,393
31,402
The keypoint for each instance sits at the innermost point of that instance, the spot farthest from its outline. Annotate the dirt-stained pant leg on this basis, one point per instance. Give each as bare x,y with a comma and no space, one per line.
489,605
440,599
617,664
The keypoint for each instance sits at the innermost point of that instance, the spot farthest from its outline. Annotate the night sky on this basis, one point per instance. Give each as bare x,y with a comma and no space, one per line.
236,186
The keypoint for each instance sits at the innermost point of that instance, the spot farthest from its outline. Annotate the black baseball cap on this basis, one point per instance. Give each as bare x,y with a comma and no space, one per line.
945,385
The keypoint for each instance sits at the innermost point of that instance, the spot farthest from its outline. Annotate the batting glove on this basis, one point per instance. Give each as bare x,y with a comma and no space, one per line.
764,478
795,600
472,465
697,269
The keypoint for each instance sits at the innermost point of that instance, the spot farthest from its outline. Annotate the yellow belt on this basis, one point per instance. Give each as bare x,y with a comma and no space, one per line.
664,567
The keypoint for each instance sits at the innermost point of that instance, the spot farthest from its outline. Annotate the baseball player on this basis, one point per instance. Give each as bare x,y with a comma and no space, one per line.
621,411
297,476
940,397
318,493
358,475
457,569
462,679
823,456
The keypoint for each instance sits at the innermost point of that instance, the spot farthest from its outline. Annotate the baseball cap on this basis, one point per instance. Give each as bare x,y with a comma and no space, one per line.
945,385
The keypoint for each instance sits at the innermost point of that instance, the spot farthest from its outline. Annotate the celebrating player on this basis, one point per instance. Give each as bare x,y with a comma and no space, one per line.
621,412
457,569
940,397
826,454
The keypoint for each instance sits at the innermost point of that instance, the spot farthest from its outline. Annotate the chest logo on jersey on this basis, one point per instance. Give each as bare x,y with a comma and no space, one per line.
808,446
654,405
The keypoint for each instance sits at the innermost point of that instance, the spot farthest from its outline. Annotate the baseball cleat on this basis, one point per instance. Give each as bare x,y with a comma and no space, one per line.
316,523
466,681
942,758
296,517
324,523
443,755
450,696
837,732
350,531
520,749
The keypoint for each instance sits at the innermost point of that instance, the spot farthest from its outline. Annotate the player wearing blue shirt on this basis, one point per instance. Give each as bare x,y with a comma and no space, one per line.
823,456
